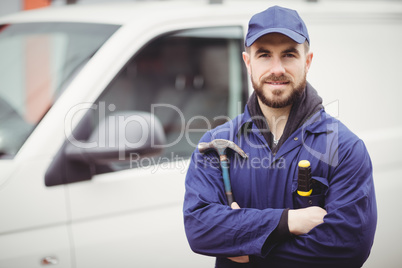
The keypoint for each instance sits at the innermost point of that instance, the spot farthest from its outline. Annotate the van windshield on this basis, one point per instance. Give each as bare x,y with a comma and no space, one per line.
38,60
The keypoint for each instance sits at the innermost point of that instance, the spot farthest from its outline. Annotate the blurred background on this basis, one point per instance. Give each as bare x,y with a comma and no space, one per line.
13,6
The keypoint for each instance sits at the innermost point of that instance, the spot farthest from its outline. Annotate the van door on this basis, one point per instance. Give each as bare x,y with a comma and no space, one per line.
128,211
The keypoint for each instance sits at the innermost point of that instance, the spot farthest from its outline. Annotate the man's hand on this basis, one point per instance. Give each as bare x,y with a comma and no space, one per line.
301,221
240,259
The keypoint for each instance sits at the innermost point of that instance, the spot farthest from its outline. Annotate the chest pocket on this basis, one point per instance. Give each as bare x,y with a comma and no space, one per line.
317,197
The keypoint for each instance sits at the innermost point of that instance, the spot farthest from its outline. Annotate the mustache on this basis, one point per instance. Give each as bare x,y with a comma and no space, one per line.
272,77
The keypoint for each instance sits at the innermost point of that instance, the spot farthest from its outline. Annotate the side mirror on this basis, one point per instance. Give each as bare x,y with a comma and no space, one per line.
119,136
114,140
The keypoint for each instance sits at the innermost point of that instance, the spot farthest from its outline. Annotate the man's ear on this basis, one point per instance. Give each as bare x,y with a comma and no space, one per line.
309,59
246,59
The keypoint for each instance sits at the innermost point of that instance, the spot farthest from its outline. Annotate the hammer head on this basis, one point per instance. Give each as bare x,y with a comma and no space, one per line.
220,146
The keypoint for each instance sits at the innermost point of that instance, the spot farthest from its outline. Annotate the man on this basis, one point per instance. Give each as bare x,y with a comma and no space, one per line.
284,122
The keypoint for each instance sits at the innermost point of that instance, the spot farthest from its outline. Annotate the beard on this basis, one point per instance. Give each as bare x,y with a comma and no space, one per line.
278,101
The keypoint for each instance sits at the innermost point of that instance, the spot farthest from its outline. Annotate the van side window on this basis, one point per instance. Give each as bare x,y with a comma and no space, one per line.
192,80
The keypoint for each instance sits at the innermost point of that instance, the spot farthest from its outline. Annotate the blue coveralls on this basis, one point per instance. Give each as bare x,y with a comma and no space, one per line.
264,185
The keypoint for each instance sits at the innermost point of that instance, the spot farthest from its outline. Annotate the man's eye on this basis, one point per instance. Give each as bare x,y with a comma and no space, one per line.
263,55
289,55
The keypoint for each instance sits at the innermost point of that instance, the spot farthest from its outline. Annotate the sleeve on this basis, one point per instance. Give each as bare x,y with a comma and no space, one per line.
346,236
211,226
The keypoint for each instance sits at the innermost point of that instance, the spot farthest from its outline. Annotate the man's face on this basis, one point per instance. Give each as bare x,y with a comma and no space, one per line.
278,67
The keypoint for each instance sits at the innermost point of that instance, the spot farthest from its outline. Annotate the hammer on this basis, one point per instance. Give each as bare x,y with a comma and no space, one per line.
220,146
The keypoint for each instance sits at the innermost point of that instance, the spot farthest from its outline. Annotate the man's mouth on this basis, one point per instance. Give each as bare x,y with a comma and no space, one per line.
277,82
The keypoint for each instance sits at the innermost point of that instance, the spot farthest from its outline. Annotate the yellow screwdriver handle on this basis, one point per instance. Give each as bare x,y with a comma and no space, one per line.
304,179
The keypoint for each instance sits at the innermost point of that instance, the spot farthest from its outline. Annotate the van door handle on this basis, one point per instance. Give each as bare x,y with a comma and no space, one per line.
49,260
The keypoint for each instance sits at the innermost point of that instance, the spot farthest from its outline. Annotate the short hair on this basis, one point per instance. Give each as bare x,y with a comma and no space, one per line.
306,46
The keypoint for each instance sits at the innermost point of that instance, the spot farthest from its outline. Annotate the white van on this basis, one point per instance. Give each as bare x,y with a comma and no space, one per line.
80,183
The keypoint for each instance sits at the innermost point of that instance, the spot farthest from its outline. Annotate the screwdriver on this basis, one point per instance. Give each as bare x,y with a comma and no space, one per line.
304,179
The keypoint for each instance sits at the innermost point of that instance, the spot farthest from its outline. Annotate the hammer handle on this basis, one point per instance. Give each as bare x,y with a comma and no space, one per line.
226,181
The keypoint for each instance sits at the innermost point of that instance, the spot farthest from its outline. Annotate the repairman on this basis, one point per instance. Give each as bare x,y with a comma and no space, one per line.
283,123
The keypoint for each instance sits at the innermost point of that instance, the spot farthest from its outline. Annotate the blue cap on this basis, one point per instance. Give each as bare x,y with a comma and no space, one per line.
277,19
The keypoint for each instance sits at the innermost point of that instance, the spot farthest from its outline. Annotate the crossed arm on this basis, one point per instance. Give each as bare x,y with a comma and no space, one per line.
300,221
341,235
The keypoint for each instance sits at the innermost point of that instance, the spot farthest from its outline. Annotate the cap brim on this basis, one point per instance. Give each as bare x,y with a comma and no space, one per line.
300,39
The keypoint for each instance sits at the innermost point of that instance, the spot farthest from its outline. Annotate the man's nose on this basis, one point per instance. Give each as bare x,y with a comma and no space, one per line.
277,67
